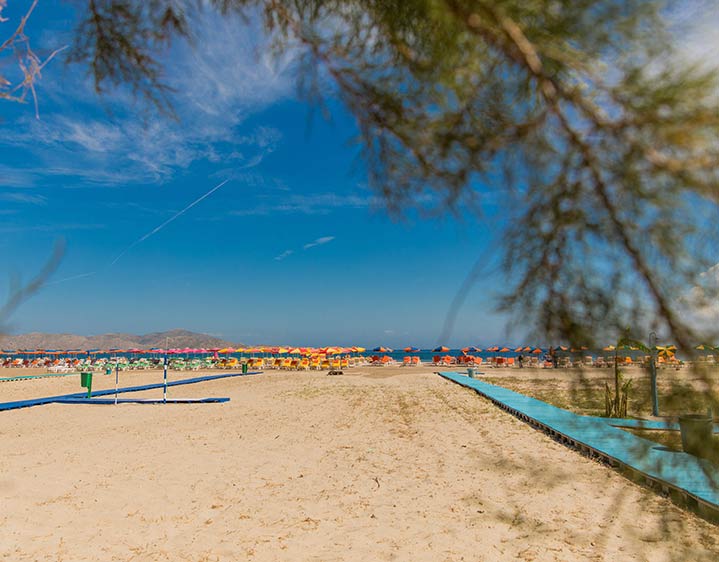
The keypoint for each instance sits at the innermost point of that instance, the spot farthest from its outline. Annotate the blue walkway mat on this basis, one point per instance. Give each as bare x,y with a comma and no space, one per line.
110,392
697,477
647,424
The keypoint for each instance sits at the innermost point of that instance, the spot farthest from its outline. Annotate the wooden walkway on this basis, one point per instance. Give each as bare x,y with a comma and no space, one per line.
684,476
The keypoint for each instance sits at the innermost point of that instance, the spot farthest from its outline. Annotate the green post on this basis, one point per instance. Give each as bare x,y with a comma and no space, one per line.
653,373
86,382
244,368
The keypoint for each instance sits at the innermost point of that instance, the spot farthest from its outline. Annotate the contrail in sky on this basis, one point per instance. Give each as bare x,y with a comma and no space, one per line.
80,276
168,221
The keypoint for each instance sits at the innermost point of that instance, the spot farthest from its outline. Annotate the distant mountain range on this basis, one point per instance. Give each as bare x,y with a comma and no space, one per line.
170,339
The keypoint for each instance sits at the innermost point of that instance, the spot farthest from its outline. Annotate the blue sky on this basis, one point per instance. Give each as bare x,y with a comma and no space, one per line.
293,249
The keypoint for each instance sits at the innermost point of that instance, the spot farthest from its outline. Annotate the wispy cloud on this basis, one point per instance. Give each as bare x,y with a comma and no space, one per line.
694,25
283,255
58,228
700,304
125,151
20,197
225,77
318,242
311,204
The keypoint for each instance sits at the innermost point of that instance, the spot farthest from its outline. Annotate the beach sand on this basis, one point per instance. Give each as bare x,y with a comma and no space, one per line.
377,464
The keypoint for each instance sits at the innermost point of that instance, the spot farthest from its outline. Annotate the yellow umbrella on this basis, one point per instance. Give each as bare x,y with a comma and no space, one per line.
666,351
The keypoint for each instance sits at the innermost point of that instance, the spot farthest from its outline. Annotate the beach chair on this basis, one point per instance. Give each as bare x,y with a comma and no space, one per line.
344,364
510,362
436,360
416,361
315,364
406,361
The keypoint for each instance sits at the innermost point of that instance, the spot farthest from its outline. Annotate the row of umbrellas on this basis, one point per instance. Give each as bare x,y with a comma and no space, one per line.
668,350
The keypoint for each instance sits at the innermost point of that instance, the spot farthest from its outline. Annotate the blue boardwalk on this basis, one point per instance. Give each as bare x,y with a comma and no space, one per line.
685,473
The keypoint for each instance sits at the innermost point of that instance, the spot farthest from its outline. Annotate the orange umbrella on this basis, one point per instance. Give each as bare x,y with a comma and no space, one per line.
537,351
505,350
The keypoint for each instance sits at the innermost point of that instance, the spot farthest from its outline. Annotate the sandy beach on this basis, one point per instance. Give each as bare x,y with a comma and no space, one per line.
377,464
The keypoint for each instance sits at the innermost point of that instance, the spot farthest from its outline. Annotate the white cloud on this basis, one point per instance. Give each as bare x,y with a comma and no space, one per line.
311,204
220,81
283,255
20,197
318,242
694,24
56,228
701,303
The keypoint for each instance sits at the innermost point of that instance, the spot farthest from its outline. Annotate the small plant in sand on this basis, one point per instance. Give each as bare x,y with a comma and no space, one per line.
615,406
615,403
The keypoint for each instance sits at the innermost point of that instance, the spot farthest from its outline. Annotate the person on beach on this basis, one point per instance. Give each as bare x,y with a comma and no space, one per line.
520,361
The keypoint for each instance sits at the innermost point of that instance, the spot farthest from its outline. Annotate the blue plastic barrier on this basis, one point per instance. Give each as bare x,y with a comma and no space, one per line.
53,399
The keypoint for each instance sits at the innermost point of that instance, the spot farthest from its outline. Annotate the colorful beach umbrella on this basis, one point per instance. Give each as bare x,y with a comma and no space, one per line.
471,349
382,349
411,349
441,349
